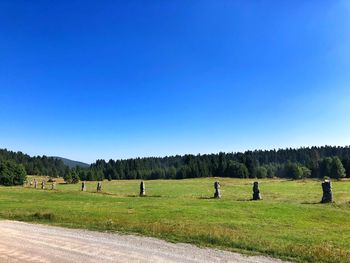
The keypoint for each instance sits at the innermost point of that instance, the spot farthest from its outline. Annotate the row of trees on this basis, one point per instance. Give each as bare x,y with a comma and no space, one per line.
38,165
315,162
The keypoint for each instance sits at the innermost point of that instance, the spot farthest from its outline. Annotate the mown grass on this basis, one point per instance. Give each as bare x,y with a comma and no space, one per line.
288,223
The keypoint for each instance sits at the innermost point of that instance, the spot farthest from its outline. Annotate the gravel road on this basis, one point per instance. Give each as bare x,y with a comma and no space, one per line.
23,242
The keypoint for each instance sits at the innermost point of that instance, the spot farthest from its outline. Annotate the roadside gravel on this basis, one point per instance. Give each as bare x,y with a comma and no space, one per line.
24,242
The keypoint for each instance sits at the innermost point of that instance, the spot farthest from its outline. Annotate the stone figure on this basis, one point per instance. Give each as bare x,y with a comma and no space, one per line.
256,191
99,186
217,193
327,192
142,189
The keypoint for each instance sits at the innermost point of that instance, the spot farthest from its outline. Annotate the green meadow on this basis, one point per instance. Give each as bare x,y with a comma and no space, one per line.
289,223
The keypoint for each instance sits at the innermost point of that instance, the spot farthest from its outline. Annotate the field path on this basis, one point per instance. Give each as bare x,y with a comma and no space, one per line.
23,242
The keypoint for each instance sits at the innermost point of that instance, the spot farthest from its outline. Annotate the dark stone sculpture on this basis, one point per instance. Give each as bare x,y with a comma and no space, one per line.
327,192
256,191
217,193
99,186
142,189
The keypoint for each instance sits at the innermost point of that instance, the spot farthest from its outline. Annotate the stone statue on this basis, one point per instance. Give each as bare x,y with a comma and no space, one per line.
327,192
43,184
99,186
217,193
83,186
256,191
142,189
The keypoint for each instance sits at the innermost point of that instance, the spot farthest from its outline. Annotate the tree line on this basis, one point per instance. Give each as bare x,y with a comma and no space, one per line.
37,165
308,162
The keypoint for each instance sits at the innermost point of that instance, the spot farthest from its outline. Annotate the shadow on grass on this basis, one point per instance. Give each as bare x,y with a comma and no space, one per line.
248,200
313,203
238,200
145,196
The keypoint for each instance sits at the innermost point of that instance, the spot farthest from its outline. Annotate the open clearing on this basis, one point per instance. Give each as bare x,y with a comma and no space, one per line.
289,223
23,242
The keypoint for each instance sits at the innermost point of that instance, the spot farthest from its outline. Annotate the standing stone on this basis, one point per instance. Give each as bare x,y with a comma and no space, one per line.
327,192
256,191
35,183
53,186
217,193
43,184
83,186
99,186
142,189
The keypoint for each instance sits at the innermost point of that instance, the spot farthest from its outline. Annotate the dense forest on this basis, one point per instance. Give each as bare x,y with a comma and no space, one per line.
313,162
316,162
38,165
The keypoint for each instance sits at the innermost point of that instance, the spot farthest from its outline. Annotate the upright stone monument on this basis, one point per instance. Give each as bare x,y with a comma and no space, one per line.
99,186
327,192
142,188
83,186
217,193
256,191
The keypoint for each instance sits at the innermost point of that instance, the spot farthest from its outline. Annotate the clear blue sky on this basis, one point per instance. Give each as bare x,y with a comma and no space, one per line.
93,80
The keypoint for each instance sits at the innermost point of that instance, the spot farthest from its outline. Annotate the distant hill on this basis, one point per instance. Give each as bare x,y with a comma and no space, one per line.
72,163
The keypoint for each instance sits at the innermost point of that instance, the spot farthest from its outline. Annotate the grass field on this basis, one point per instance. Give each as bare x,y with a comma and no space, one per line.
289,223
